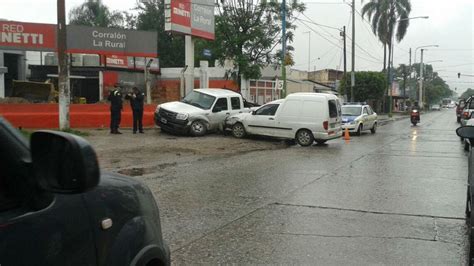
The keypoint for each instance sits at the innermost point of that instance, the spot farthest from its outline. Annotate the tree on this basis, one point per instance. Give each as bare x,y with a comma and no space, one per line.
468,93
95,14
388,17
434,87
369,86
247,32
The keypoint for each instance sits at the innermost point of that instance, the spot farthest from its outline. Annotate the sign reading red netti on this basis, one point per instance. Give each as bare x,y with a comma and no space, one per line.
27,36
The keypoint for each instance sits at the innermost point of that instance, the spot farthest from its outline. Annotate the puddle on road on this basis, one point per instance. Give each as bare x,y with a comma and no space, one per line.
139,171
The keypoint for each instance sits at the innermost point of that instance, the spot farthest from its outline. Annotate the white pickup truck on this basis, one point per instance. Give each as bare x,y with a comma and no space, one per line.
201,111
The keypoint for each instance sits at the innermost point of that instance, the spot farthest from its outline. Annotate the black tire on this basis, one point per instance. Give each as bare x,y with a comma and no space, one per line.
466,146
238,130
374,129
198,128
359,130
304,137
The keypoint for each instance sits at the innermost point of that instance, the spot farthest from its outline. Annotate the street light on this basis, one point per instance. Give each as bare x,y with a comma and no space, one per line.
390,62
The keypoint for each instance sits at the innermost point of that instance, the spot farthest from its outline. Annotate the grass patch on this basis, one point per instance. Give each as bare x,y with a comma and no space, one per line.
26,133
76,132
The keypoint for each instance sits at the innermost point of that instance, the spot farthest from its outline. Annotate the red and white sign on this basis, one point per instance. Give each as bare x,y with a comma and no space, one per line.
117,61
181,12
194,18
27,36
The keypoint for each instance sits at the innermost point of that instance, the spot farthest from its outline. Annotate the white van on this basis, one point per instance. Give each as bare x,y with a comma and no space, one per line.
305,117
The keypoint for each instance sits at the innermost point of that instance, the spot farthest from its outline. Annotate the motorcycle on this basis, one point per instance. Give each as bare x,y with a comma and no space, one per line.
415,117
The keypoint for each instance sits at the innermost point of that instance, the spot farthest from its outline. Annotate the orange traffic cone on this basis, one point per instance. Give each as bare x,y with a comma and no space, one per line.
347,137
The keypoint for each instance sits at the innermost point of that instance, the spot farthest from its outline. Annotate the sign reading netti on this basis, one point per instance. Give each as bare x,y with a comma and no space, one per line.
27,36
194,18
83,39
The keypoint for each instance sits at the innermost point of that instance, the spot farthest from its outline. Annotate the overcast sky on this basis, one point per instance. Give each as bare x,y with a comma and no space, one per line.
450,25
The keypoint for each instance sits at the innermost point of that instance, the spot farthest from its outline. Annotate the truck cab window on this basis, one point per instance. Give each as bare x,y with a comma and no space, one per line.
235,102
221,104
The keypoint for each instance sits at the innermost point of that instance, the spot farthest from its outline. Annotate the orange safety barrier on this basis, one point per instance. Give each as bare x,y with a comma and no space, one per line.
81,115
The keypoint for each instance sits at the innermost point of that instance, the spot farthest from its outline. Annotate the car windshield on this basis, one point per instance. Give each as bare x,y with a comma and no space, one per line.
199,99
351,111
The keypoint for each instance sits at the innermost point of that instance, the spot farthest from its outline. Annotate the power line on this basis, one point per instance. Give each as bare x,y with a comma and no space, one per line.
360,47
322,36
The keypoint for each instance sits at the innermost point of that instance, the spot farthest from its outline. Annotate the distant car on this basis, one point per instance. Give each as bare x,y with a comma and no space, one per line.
304,117
58,208
359,117
467,132
436,107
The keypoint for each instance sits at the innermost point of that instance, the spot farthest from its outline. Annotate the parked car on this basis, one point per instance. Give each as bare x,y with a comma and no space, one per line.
467,132
459,108
467,111
357,117
201,111
58,208
304,117
436,107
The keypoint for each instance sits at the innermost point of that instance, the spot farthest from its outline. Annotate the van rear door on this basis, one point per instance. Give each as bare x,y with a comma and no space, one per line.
334,116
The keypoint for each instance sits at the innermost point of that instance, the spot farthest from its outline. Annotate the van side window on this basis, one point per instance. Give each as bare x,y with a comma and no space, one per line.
235,103
222,104
332,108
269,109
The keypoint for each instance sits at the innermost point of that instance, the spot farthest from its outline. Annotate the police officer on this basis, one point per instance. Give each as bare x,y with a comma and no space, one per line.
136,102
115,98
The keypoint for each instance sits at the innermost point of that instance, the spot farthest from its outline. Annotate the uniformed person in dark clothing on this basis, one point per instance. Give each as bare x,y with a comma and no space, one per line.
115,98
136,102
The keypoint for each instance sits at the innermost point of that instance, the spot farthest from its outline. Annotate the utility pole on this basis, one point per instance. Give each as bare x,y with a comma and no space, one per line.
409,69
63,79
309,51
353,52
343,34
421,81
283,46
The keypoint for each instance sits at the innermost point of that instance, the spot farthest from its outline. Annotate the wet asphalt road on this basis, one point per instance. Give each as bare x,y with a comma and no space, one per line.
396,197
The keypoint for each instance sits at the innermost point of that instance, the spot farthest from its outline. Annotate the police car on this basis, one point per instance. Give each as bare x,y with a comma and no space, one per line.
357,117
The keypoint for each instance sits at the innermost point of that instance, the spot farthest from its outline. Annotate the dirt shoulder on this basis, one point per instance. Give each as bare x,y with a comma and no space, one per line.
142,154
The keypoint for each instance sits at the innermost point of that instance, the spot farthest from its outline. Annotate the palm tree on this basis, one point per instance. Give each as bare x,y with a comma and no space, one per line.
95,14
388,17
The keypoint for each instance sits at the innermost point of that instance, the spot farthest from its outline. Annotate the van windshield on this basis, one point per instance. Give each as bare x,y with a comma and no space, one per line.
351,111
199,100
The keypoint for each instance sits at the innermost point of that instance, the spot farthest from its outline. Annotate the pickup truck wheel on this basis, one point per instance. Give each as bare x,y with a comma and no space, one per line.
198,128
238,130
304,137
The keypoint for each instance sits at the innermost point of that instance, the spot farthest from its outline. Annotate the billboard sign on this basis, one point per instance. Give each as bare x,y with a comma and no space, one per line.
194,17
27,36
109,41
130,62
80,39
